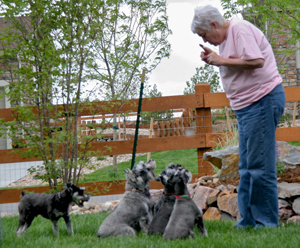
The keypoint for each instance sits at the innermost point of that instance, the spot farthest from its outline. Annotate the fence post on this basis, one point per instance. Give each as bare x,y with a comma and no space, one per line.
150,135
161,129
167,128
203,125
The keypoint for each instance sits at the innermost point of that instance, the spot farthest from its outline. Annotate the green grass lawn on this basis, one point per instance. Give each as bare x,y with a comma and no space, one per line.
294,143
187,158
220,234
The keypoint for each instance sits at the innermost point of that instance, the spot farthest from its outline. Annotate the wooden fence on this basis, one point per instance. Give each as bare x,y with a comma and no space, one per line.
203,139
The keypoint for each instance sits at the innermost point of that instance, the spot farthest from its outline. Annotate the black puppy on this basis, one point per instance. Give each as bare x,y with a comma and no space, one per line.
51,206
186,214
165,204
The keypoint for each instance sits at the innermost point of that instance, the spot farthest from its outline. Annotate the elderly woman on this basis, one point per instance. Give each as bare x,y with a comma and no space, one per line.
253,86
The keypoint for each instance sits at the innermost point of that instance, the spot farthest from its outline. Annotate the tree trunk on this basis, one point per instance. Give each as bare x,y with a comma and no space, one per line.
114,139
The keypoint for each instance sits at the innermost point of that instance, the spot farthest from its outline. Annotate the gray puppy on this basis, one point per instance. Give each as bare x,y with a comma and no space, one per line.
163,178
164,206
186,214
50,206
134,212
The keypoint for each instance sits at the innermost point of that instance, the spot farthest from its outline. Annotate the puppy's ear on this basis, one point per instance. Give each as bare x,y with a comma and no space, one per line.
179,167
158,178
151,164
187,176
68,185
130,175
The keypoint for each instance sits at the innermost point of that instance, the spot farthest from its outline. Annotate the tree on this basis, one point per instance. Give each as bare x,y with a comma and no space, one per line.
48,41
269,15
204,74
53,49
130,36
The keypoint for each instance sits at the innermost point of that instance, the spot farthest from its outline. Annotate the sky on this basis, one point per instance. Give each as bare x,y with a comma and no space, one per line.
171,74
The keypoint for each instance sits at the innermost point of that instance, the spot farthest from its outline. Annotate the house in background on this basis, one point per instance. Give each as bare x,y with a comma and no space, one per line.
5,143
5,78
288,64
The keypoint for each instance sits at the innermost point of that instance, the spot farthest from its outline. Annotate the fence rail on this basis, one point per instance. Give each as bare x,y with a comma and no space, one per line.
203,139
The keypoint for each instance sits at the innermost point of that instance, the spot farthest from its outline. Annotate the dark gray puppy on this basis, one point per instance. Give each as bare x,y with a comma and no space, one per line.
163,178
164,206
134,212
51,206
186,214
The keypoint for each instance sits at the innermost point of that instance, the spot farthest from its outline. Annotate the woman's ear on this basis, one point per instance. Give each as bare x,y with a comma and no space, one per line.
214,25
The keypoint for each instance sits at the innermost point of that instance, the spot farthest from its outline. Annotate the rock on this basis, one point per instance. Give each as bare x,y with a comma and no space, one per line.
295,219
75,211
227,159
239,217
296,205
206,178
222,187
215,157
225,192
212,213
95,211
113,207
289,154
287,190
86,206
192,185
285,210
98,207
75,207
212,197
232,188
200,196
230,167
201,182
215,180
156,194
228,204
227,217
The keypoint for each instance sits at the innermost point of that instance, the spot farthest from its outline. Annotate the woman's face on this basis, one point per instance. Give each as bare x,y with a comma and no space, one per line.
213,36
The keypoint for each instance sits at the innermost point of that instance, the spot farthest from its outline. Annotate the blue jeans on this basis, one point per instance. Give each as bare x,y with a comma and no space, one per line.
257,193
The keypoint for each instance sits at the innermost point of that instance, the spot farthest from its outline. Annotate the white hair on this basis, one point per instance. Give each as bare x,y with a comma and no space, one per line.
204,16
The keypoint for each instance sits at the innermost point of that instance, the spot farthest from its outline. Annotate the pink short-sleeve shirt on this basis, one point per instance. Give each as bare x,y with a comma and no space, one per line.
244,87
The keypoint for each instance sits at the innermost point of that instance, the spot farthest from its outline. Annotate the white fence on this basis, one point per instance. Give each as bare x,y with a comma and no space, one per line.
12,172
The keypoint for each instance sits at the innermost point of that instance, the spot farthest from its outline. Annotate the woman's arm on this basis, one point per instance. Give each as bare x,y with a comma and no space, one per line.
242,64
210,57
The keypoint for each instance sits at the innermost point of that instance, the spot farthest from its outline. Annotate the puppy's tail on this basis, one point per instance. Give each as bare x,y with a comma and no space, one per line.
22,193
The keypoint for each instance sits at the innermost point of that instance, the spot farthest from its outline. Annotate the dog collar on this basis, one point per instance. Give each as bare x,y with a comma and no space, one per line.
140,191
183,196
167,194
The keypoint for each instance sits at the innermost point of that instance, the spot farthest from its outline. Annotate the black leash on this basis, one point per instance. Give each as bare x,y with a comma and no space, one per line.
138,119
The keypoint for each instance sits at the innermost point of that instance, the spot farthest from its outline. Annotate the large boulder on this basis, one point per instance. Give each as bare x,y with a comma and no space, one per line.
200,196
287,190
228,204
212,213
288,154
227,160
285,210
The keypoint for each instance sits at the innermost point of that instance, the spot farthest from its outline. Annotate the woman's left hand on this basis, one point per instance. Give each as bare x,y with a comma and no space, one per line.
210,57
